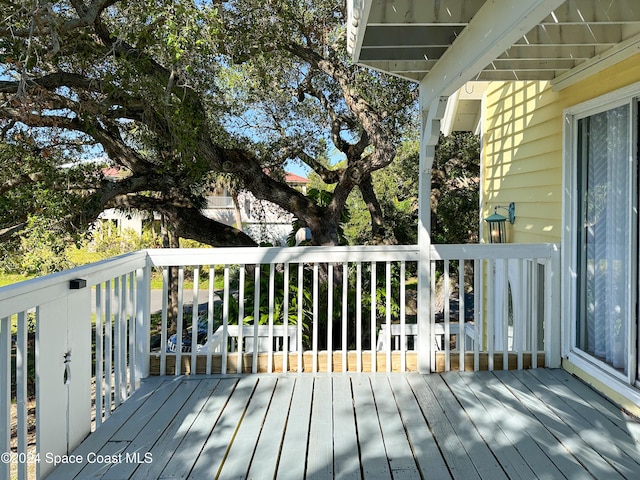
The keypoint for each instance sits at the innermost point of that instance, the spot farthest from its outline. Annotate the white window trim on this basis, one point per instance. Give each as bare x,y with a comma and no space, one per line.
600,370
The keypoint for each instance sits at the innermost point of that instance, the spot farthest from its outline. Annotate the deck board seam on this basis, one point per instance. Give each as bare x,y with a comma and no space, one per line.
578,452
621,458
460,425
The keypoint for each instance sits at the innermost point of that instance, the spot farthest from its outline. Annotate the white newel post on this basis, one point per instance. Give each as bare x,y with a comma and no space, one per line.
431,115
63,362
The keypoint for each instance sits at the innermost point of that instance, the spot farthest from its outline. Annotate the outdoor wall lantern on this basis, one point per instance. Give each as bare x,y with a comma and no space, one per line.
497,223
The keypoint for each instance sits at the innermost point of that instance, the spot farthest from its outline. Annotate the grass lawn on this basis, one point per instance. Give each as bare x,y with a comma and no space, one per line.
9,278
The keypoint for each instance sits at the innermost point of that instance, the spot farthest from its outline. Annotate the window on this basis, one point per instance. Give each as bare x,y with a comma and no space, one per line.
600,242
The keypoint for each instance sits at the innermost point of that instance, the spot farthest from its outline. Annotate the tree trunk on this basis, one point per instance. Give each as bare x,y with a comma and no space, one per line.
375,210
169,240
236,210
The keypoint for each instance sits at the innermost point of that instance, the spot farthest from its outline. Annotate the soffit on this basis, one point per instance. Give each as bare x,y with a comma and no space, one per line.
407,38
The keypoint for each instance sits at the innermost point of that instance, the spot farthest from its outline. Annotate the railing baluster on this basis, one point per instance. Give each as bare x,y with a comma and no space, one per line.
372,339
403,309
505,315
195,327
388,313
117,340
520,328
99,355
491,311
285,320
461,337
315,318
122,348
5,392
359,316
225,320
210,307
534,313
179,323
477,313
447,319
330,318
240,353
345,319
272,294
432,314
108,350
21,391
164,321
131,307
256,318
300,318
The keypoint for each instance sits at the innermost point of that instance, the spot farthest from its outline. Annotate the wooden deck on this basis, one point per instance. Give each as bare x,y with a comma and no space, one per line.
489,425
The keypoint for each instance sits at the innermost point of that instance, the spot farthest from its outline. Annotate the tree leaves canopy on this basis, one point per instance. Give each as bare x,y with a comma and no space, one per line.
180,92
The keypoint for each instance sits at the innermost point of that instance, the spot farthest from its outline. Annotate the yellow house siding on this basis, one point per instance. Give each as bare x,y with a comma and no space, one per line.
522,147
522,162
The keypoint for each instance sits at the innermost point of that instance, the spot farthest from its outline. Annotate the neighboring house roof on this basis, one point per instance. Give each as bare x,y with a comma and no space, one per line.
293,178
115,172
443,45
112,172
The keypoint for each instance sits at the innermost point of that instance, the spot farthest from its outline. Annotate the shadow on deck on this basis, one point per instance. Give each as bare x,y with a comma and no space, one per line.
483,425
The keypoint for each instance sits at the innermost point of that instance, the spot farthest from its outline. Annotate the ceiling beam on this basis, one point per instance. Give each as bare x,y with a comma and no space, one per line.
411,35
423,11
494,28
578,52
401,53
590,11
618,53
531,64
583,34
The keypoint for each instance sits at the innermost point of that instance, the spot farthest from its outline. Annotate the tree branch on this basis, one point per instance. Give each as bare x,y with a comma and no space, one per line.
189,222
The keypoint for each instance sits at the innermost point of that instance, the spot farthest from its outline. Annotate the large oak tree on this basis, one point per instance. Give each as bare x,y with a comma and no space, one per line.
179,93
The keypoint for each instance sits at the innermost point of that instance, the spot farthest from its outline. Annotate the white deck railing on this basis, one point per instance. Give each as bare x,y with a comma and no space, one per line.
77,336
85,336
336,306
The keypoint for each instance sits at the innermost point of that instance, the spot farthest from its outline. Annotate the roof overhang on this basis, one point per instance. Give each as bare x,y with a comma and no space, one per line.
443,44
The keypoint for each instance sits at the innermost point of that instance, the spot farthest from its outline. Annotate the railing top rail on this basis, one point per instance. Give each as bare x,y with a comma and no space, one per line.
30,293
263,255
493,251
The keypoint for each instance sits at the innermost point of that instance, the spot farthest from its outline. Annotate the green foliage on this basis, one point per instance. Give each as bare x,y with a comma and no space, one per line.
110,242
455,194
33,182
455,189
40,251
396,188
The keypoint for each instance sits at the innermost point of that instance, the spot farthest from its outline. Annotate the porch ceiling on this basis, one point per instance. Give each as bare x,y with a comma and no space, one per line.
408,38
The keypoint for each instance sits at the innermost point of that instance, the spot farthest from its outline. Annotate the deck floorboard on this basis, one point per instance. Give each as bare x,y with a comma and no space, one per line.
460,425
293,456
264,462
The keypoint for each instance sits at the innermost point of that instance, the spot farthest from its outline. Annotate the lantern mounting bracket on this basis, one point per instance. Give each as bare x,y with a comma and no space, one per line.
511,208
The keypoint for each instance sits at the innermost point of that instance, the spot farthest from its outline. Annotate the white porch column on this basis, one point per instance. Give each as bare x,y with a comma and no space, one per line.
431,115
